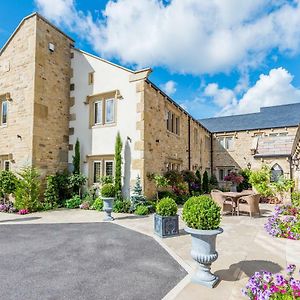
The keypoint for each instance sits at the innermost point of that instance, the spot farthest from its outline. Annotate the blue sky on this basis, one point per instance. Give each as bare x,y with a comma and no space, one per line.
214,57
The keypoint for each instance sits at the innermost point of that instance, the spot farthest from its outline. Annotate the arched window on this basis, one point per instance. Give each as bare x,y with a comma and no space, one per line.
276,172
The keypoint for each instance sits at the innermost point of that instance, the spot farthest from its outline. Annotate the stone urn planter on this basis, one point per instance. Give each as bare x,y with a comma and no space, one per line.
166,221
203,216
108,208
204,252
233,187
108,196
166,226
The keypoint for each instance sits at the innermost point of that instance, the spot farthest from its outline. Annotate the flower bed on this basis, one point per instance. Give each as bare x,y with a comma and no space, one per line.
265,285
284,223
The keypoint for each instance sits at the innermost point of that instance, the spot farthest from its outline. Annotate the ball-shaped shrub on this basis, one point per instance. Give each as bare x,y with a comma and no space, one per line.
108,190
201,213
166,207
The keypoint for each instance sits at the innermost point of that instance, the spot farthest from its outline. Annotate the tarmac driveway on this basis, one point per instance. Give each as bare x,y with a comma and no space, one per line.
83,261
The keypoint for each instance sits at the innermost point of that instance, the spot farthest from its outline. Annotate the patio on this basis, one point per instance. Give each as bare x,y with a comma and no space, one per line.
243,248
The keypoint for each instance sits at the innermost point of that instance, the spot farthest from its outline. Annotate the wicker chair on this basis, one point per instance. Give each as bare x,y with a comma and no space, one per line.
249,204
226,203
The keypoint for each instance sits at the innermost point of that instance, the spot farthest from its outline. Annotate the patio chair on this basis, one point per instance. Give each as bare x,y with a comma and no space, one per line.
226,203
249,204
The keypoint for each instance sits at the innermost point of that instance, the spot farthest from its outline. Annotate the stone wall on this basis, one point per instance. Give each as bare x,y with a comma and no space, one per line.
17,65
52,99
240,156
162,147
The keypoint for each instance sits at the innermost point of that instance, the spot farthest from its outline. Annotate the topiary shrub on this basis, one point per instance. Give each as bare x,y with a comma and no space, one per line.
108,190
166,207
98,204
142,210
201,213
122,206
74,202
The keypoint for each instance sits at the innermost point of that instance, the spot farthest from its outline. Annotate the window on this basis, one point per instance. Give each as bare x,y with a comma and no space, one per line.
97,171
98,112
221,174
226,142
104,112
109,110
6,165
276,172
109,168
4,112
91,78
173,122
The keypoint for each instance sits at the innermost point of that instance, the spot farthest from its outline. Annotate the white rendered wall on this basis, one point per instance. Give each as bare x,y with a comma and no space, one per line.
100,140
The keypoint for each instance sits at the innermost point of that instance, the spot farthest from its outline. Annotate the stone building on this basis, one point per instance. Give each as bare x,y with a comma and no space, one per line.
52,94
252,140
35,69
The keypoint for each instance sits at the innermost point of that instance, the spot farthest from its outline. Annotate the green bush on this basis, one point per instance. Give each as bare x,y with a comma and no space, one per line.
108,190
76,181
28,190
201,213
296,199
98,204
260,180
166,194
245,185
64,191
166,207
106,179
74,202
51,192
142,210
174,177
8,183
122,206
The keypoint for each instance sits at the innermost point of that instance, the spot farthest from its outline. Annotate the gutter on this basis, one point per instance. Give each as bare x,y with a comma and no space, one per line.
211,154
189,142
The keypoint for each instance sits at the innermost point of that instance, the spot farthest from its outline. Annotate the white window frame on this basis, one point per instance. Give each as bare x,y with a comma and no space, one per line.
94,162
99,103
4,165
113,166
113,110
2,115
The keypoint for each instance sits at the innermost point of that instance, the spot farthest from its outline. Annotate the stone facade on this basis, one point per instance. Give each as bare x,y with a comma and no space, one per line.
37,81
246,151
163,149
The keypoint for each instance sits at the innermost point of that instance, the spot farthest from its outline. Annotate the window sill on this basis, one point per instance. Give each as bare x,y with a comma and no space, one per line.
173,133
104,125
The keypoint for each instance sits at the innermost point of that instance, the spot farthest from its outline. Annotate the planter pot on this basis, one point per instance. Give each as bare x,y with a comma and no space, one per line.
108,207
204,252
166,226
233,187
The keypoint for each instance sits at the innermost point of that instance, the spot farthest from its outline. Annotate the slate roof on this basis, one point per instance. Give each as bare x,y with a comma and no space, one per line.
269,146
269,117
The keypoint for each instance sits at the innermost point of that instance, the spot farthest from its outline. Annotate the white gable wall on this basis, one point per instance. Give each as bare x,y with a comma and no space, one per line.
101,140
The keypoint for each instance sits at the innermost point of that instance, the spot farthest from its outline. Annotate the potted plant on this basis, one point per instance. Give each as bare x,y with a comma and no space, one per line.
235,179
202,216
108,193
166,218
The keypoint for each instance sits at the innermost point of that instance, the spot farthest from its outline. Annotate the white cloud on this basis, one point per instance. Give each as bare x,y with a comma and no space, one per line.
275,88
191,36
169,87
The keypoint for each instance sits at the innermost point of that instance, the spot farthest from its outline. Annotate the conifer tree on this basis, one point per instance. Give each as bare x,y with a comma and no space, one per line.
118,164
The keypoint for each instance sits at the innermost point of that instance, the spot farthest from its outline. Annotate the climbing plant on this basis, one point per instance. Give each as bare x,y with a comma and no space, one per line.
118,164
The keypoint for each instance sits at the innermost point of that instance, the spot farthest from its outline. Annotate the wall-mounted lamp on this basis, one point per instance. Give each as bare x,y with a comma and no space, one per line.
129,139
19,137
249,166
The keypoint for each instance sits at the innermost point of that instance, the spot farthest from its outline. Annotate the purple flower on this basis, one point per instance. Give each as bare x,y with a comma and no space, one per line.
290,269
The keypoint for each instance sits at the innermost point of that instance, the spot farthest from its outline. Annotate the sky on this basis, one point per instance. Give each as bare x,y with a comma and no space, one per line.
213,57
